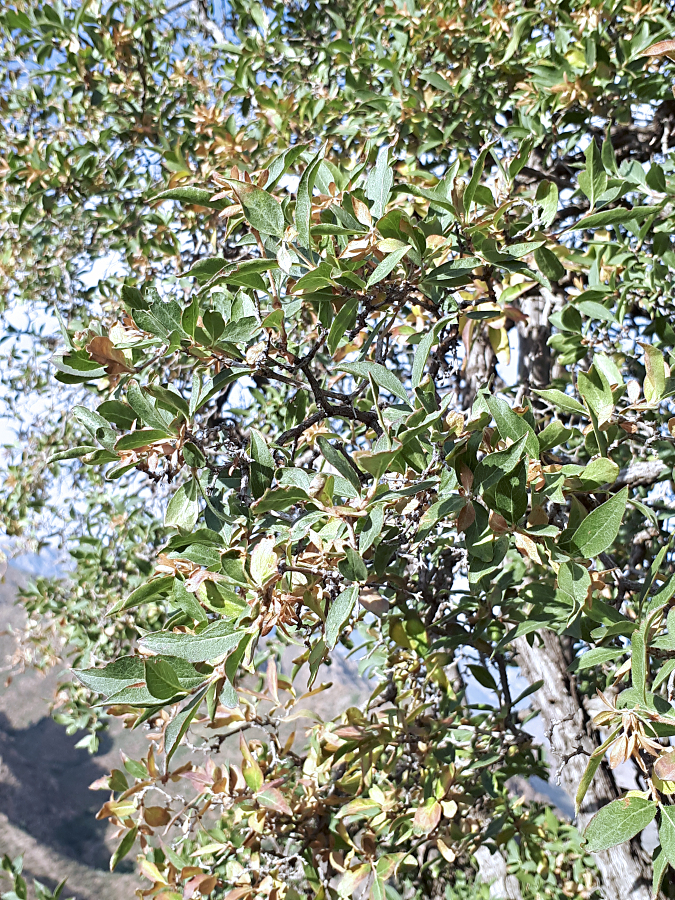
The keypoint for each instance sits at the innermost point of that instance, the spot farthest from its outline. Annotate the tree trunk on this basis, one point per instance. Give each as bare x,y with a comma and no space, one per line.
625,869
480,365
534,355
492,871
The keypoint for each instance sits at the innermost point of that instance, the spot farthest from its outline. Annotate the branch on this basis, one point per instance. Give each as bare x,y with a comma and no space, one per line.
640,474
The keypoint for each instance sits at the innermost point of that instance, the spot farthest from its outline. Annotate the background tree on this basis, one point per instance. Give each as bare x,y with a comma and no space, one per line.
300,418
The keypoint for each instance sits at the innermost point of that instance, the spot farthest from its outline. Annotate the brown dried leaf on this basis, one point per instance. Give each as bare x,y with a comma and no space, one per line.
661,48
466,517
497,523
203,883
272,798
538,516
527,546
664,766
362,212
103,351
427,817
466,477
373,602
156,816
619,752
272,679
446,852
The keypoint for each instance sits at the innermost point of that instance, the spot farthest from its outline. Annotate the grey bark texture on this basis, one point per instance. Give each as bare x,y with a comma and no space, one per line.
492,869
626,869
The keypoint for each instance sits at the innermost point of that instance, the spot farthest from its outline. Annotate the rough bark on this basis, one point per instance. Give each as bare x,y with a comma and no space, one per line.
492,870
625,869
534,354
479,368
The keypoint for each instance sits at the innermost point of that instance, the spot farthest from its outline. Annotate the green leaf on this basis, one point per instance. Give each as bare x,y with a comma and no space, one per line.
169,397
563,401
593,180
617,822
279,499
484,677
549,264
110,679
353,567
663,673
183,508
598,472
261,210
342,323
654,384
187,601
554,435
595,657
338,461
264,562
436,80
72,453
282,163
303,203
339,613
596,390
513,426
573,583
161,679
494,466
618,216
178,726
595,310
192,455
476,175
638,666
123,847
190,316
142,438
379,183
421,356
586,779
385,378
667,833
151,590
262,467
240,330
118,413
213,642
599,529
547,198
509,495
659,865
372,527
205,269
387,265
194,195
97,426
422,352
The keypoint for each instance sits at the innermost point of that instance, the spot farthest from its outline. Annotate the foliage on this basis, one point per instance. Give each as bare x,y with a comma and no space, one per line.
14,868
307,368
